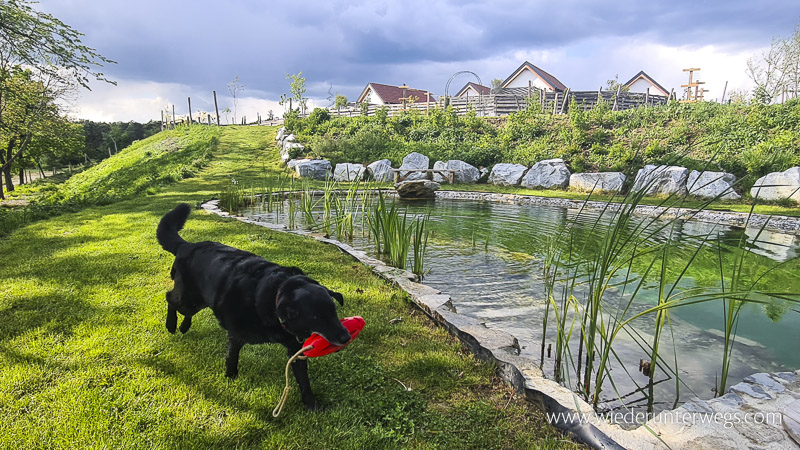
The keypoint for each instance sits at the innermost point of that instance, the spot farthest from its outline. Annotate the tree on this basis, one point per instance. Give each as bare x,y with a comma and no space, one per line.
297,87
235,87
497,85
41,60
614,84
777,70
340,102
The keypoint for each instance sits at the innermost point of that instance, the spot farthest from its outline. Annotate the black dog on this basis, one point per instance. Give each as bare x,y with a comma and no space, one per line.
255,300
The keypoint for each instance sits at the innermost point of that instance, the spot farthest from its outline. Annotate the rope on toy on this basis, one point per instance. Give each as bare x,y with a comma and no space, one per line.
297,356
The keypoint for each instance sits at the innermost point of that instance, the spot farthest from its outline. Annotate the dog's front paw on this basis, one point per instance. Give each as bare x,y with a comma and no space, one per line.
172,321
312,404
232,373
185,325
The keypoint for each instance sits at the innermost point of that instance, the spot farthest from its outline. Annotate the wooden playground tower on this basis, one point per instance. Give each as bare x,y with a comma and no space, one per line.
694,92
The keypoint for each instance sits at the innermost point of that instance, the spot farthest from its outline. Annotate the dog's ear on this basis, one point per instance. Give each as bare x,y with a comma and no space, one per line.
288,312
337,296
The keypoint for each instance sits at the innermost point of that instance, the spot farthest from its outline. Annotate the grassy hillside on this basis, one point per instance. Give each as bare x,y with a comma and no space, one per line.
85,360
139,169
748,141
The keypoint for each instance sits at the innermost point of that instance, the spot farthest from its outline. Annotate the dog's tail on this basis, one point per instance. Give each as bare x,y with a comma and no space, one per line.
171,223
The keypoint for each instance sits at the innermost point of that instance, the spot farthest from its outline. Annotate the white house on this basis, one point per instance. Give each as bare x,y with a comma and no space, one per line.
538,78
641,82
384,94
473,90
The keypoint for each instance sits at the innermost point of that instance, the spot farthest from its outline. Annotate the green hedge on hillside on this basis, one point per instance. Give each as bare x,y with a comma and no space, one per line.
742,139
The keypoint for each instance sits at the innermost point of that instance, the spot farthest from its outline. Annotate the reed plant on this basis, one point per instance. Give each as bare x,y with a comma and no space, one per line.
235,196
420,235
625,256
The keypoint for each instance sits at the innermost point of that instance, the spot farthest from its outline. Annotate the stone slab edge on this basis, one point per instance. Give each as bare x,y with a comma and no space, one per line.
495,346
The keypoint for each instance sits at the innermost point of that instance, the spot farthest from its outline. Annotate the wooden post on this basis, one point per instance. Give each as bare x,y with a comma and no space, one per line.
290,105
555,103
530,89
208,119
427,102
162,120
616,98
216,108
724,91
647,97
566,97
190,111
173,117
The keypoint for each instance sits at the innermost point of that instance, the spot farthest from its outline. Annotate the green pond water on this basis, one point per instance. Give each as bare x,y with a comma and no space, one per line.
489,258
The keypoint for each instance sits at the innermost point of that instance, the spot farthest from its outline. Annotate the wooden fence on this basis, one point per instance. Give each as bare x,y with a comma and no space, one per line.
508,101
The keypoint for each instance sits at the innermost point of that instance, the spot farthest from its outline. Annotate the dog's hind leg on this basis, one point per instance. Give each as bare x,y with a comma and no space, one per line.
232,358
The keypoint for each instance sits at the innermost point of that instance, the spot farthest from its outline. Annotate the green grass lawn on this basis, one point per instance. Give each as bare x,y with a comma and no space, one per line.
86,362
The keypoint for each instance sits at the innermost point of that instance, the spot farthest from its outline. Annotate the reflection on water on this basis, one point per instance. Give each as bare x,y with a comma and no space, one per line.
489,258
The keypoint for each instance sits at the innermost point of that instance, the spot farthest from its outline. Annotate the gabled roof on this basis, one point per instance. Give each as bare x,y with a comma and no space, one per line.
393,94
546,77
644,76
482,90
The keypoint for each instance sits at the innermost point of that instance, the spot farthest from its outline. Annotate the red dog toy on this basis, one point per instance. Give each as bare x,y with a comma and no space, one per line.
317,345
322,347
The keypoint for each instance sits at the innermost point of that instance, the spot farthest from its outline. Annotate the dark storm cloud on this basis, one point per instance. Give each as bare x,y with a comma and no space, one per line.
204,44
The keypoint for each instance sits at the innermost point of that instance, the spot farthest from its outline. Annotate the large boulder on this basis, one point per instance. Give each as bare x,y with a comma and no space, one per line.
349,172
415,160
712,185
465,173
381,171
550,173
281,134
294,162
317,169
603,181
778,185
417,189
505,174
290,150
661,180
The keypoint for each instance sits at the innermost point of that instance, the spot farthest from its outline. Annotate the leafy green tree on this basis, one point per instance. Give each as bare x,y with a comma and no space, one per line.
614,84
340,102
297,86
41,60
777,70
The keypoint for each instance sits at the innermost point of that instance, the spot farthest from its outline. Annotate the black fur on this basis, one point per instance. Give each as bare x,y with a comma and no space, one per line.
255,300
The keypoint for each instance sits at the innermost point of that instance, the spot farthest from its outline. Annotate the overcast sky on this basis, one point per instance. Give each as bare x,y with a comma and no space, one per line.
168,50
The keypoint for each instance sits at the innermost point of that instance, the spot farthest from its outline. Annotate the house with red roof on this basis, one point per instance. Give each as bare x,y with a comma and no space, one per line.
473,90
641,82
538,78
384,94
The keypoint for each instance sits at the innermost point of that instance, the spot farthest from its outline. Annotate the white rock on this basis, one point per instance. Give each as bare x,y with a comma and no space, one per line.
712,184
778,185
290,150
381,171
281,134
664,180
603,181
415,160
317,169
550,173
504,174
292,163
349,172
465,173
